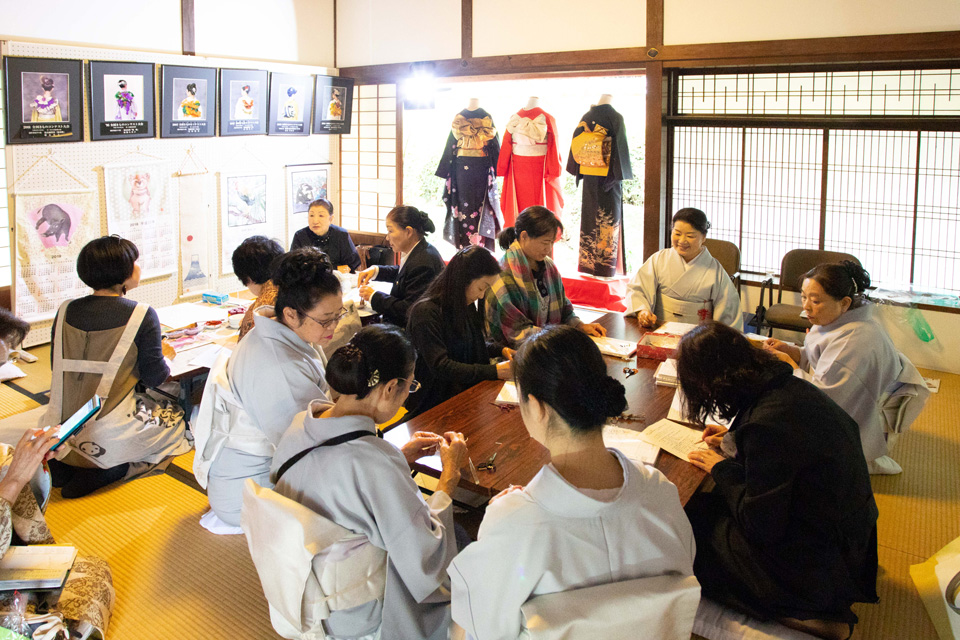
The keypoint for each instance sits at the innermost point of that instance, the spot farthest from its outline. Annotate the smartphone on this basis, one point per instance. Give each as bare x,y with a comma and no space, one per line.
73,424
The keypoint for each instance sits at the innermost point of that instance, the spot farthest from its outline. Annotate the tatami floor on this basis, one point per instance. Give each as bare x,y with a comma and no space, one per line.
176,580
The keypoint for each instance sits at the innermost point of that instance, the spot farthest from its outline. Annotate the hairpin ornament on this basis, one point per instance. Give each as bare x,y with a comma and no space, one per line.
374,378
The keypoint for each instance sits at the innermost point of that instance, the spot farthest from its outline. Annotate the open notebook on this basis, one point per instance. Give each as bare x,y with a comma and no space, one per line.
623,349
40,566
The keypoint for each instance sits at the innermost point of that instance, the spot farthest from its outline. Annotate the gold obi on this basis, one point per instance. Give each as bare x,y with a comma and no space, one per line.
591,150
472,134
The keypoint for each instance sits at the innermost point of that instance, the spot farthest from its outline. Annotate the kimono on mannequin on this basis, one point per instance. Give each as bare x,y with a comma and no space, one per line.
365,486
675,290
599,156
523,300
854,362
551,536
530,164
469,166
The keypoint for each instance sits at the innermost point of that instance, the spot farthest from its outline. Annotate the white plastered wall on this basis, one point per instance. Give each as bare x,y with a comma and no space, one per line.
709,21
386,31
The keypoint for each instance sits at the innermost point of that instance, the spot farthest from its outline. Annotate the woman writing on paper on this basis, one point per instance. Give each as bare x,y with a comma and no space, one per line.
105,344
849,355
529,293
684,283
589,517
274,373
790,531
365,486
446,329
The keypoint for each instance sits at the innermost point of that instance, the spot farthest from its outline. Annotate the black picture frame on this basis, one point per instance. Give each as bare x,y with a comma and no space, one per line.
324,120
243,113
188,102
111,118
37,114
290,112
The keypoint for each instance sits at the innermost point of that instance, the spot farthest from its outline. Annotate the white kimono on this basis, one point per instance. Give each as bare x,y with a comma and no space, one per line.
678,291
855,363
552,537
365,486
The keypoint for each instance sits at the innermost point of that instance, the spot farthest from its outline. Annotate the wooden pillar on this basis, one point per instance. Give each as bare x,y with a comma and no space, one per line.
188,28
654,189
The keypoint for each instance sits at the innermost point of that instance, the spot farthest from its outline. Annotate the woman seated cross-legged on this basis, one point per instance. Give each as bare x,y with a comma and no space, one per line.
790,531
590,517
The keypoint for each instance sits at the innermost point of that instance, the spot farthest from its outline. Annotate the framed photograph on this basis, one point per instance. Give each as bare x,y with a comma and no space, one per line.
243,212
44,100
305,183
331,114
188,102
122,102
243,102
291,104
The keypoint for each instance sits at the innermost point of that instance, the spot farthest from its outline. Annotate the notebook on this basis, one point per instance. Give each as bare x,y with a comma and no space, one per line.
630,443
674,438
666,375
508,394
39,566
623,349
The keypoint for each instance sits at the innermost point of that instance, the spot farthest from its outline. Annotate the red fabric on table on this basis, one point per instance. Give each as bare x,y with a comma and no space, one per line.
590,292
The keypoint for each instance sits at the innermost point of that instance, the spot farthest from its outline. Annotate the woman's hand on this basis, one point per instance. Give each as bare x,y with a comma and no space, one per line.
705,459
423,443
784,357
32,450
366,292
508,353
774,346
504,370
453,455
713,435
646,319
368,274
593,329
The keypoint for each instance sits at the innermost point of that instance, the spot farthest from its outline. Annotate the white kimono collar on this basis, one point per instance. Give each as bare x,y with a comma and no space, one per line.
704,256
322,429
552,491
860,314
269,328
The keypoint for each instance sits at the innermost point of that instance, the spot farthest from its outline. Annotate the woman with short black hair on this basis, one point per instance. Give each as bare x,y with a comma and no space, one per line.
321,233
253,263
119,341
790,532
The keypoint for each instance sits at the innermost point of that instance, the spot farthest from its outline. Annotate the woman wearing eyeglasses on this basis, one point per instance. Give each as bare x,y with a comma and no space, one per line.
275,372
364,485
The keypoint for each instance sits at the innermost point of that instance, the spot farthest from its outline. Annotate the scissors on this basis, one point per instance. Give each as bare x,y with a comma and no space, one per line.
489,465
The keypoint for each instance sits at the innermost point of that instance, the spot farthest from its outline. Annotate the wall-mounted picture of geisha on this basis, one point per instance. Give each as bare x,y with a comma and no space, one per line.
243,102
291,104
188,102
122,101
334,105
44,100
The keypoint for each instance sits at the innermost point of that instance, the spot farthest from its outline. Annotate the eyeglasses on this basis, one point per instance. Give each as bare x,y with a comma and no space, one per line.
333,321
414,386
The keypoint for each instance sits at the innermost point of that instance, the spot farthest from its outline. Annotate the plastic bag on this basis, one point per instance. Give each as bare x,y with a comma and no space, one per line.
920,325
15,619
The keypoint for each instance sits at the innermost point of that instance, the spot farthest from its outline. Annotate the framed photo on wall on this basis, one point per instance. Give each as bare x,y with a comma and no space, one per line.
44,100
331,113
243,102
122,102
306,183
188,102
291,104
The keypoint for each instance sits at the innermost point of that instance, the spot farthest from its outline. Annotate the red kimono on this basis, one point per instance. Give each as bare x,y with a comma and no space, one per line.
530,164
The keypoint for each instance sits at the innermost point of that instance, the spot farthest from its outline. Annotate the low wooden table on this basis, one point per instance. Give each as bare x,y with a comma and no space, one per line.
491,429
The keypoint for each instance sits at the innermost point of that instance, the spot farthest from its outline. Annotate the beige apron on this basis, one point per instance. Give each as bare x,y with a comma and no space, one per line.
130,427
676,310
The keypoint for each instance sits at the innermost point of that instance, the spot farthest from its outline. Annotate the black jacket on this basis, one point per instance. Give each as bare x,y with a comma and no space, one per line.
336,243
421,267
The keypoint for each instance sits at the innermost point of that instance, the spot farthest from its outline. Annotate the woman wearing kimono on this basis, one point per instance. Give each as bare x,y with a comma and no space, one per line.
276,371
849,355
684,283
364,485
529,292
790,531
253,265
589,517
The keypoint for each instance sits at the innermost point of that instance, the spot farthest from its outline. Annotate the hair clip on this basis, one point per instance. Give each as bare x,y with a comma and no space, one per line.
374,378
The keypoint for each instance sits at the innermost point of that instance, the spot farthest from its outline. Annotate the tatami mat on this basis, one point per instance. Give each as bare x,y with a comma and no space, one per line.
173,578
13,402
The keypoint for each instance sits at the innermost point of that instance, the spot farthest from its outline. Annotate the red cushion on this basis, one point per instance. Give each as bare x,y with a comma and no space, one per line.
591,292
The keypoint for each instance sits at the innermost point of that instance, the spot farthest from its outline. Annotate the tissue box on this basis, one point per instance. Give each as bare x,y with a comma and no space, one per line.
658,346
215,298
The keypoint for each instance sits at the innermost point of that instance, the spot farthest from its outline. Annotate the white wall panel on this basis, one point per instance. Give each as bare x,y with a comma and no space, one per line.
387,31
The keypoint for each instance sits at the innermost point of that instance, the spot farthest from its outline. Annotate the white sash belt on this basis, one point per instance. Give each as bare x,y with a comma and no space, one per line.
529,149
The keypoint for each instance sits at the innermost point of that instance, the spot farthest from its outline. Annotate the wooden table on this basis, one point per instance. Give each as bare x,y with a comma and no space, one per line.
490,428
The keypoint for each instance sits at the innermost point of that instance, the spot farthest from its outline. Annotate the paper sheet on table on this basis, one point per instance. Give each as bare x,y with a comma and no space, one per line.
206,357
508,394
678,411
181,315
674,438
675,328
630,443
10,371
931,578
623,349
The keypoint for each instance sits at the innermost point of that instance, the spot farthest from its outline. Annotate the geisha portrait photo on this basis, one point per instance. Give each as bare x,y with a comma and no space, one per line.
188,99
44,102
291,103
243,102
334,105
122,101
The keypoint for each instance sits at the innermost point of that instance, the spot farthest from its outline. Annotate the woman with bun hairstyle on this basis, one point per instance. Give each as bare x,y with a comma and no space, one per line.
420,264
276,371
589,517
684,283
364,485
446,329
849,355
529,293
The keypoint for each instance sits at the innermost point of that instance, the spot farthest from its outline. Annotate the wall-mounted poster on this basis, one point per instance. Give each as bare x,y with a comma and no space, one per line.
305,183
198,199
44,100
121,100
188,102
51,230
243,212
243,102
333,105
291,103
139,209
